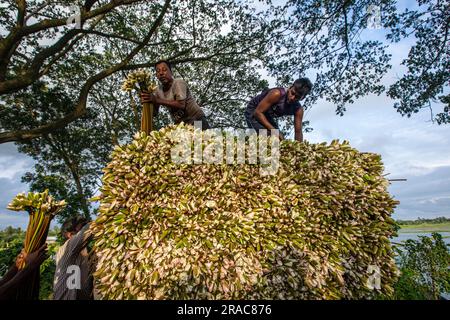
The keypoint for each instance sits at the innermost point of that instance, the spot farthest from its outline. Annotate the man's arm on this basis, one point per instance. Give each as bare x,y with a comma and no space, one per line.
270,99
9,275
79,241
32,262
298,119
177,104
150,97
180,95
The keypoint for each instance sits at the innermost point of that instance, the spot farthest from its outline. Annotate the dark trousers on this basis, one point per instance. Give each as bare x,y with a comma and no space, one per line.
253,123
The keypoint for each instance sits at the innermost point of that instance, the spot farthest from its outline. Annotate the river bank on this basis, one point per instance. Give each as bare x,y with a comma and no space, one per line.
424,229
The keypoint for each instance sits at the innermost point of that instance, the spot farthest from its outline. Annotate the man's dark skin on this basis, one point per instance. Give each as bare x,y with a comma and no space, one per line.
15,278
165,76
272,98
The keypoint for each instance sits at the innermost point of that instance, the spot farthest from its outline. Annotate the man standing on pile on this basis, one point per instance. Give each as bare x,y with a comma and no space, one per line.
176,96
263,109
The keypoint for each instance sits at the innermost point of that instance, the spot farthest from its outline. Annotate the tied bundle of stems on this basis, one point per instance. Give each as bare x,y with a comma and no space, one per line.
41,208
141,81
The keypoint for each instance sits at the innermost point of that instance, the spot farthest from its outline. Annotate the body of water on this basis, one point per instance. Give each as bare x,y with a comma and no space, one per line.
403,236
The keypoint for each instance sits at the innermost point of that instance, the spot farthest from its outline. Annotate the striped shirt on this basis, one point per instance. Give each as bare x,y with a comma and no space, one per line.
71,256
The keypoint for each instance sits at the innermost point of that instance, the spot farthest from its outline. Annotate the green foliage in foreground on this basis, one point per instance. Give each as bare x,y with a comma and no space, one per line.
11,242
424,267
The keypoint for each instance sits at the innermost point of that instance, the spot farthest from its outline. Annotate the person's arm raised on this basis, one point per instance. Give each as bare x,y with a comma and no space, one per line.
151,98
79,241
9,275
298,119
32,262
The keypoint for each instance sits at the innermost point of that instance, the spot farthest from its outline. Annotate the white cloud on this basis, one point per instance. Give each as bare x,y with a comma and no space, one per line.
434,200
11,167
12,163
425,196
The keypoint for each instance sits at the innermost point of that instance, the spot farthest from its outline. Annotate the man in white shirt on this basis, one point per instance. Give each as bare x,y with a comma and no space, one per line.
176,96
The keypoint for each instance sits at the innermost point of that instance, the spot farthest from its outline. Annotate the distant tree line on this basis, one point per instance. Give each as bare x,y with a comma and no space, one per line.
420,221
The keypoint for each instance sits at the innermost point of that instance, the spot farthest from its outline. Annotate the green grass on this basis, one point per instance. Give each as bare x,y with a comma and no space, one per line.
425,227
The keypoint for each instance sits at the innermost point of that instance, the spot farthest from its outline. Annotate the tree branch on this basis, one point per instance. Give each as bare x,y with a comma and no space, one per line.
62,53
31,74
9,44
36,11
22,7
106,35
80,108
84,16
73,169
88,4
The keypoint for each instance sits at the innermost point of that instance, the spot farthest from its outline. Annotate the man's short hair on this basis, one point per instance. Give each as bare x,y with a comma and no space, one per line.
302,86
164,61
72,225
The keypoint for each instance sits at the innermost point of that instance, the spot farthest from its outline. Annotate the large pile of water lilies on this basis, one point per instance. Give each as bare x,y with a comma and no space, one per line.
318,228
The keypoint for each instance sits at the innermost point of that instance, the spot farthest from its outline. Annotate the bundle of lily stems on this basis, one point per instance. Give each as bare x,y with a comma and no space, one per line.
41,208
141,81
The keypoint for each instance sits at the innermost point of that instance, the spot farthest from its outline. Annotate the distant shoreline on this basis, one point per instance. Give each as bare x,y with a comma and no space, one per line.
425,228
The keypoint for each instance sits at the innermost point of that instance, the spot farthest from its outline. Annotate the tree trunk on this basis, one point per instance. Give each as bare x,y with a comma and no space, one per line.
73,168
80,192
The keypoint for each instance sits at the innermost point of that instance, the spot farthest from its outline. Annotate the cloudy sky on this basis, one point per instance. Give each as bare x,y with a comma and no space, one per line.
411,148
